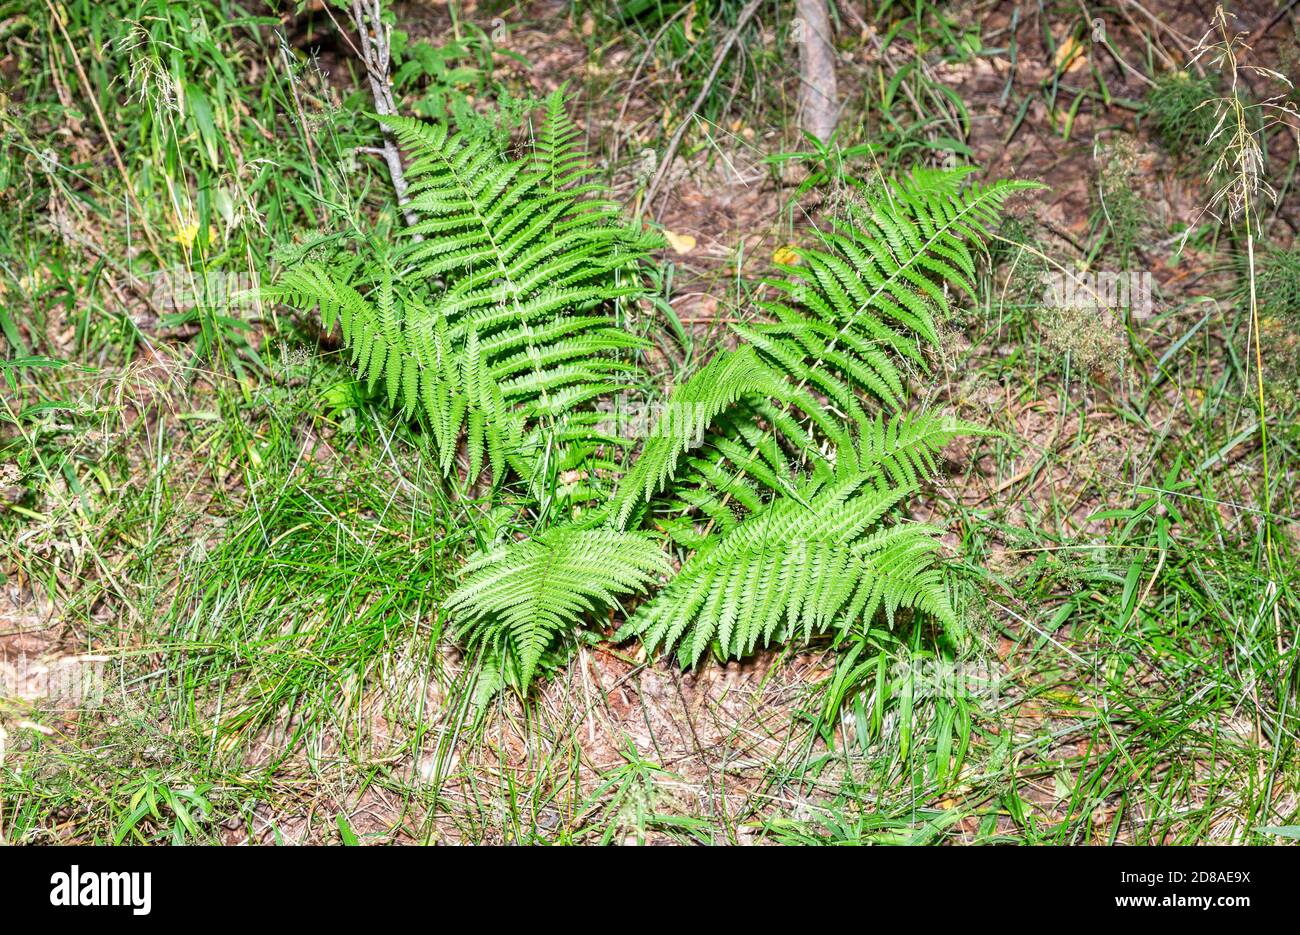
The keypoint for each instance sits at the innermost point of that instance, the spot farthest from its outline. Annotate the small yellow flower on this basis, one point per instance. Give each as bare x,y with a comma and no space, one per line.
785,256
186,234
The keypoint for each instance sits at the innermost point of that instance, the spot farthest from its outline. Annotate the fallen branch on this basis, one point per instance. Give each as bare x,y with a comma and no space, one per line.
375,52
718,58
818,95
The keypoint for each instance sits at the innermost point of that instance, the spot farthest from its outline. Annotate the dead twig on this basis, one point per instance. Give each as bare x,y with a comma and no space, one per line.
375,50
818,95
724,48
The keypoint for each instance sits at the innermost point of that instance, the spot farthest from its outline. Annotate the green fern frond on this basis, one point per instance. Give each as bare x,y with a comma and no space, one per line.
556,152
781,423
849,311
690,410
495,323
793,568
521,596
852,311
905,448
777,465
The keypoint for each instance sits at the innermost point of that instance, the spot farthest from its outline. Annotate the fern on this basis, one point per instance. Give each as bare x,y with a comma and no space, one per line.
806,557
769,464
797,565
729,377
556,154
516,599
794,476
779,467
851,310
850,313
494,323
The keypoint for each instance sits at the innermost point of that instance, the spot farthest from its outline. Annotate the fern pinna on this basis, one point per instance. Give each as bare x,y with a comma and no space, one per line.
778,463
491,318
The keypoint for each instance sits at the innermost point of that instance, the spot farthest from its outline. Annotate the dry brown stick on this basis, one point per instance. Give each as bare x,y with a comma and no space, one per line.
1158,25
718,58
849,11
1277,18
636,73
375,52
818,95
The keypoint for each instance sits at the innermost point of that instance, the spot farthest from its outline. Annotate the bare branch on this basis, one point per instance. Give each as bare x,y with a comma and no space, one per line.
818,95
718,58
375,50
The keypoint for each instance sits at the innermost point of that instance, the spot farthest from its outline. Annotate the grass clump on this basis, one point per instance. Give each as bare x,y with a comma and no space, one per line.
1277,272
1084,338
1180,105
1277,287
309,600
1121,208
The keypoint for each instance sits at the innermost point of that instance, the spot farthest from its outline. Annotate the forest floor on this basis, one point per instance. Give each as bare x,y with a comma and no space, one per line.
220,572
